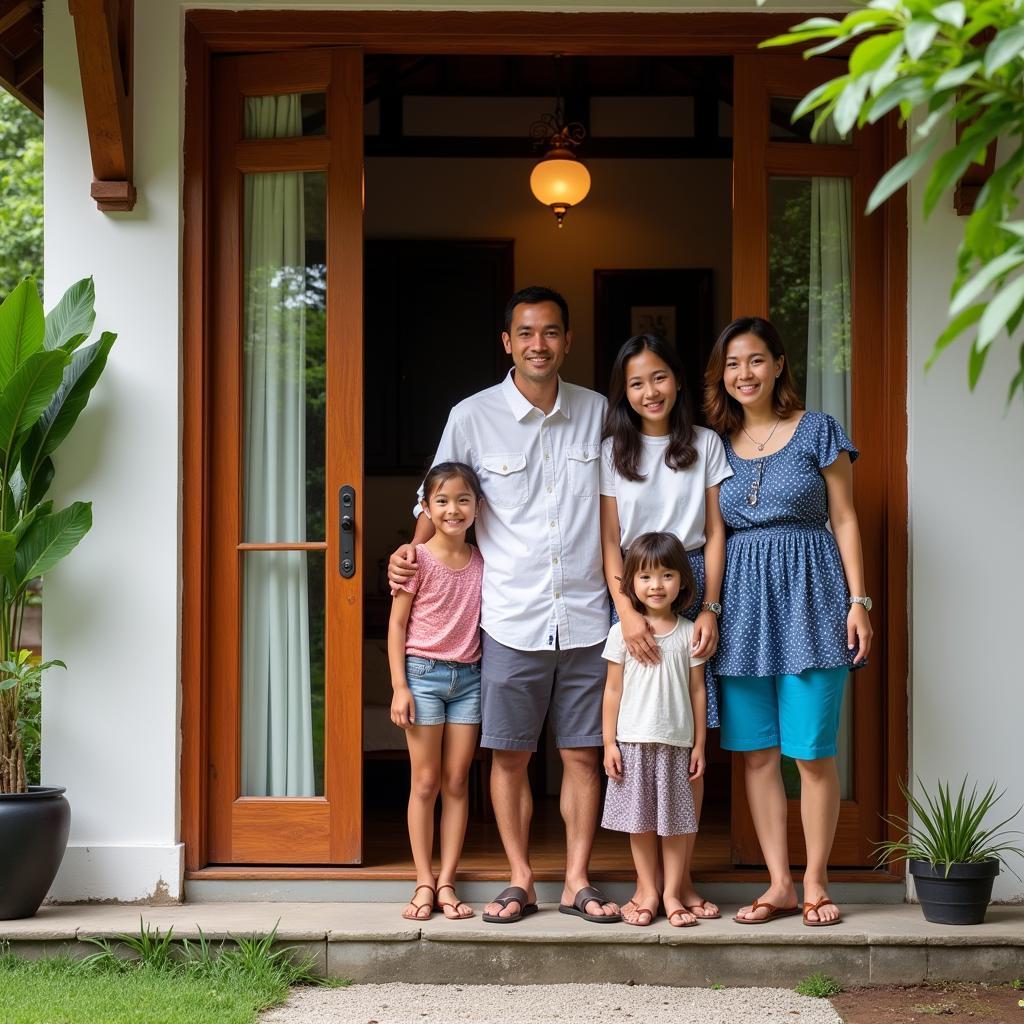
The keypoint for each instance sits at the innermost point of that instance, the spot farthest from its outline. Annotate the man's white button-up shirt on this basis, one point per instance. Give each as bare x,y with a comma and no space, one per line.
539,529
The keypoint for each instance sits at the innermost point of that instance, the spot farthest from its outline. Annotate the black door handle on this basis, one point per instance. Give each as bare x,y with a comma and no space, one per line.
347,514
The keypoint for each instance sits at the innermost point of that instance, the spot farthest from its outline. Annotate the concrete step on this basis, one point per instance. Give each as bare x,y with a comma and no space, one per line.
370,942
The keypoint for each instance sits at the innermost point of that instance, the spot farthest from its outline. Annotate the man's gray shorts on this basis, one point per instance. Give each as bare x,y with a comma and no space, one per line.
517,689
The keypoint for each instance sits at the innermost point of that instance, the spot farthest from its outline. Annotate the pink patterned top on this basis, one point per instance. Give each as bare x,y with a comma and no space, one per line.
444,622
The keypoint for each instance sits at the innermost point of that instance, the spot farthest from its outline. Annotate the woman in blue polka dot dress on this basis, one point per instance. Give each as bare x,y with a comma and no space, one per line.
794,612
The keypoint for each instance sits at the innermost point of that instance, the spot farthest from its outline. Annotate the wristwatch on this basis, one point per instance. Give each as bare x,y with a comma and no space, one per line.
866,601
711,606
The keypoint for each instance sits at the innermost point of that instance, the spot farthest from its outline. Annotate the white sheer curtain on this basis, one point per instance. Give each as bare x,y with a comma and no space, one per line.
828,295
277,731
828,344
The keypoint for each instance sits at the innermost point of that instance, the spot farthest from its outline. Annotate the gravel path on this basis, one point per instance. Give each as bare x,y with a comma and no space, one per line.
542,1004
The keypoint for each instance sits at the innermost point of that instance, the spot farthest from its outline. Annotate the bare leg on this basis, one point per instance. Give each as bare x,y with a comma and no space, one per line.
424,743
513,809
687,893
456,757
675,851
819,812
580,797
767,799
645,857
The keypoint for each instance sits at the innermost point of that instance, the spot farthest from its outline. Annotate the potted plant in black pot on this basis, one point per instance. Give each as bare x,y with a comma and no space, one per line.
46,374
952,854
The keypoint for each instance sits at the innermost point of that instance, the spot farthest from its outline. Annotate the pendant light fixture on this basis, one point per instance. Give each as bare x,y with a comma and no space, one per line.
560,180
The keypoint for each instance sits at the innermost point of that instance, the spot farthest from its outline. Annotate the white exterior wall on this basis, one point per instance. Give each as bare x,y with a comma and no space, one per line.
966,462
111,722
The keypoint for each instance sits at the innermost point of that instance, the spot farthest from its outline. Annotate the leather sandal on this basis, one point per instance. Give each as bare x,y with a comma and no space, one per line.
773,913
589,894
513,894
417,907
685,924
815,907
440,905
693,908
633,907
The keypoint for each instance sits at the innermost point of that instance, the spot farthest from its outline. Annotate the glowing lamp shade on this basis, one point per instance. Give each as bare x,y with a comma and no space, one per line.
560,181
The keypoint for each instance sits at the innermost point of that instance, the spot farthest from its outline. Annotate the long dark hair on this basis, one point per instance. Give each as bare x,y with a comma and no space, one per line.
650,550
722,411
623,425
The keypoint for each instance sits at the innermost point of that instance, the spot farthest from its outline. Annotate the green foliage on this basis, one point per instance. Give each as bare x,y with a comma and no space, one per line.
46,377
957,60
21,193
161,980
947,830
818,985
242,957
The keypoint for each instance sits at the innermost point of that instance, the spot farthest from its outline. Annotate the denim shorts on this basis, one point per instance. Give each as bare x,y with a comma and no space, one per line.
444,691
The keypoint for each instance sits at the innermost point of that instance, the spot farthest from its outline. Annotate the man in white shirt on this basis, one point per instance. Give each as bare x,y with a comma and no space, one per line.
535,441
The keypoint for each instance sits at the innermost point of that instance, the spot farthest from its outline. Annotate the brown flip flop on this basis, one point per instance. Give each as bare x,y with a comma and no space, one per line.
578,907
639,910
440,905
693,907
683,910
513,894
815,907
419,906
773,913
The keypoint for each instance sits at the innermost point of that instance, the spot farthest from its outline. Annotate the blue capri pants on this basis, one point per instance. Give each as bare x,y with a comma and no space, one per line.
799,713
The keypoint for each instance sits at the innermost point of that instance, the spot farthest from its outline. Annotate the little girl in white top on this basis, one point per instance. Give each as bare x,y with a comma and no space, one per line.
655,729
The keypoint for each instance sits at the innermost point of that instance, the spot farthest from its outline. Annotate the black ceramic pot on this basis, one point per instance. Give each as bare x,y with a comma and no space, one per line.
961,897
33,834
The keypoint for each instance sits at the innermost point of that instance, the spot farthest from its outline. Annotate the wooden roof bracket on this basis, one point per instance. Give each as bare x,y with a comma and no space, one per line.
103,32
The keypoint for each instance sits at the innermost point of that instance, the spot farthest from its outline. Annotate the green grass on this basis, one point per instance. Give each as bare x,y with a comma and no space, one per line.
161,982
819,985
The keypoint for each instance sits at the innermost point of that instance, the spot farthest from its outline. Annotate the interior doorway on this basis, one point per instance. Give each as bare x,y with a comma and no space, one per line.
452,230
238,310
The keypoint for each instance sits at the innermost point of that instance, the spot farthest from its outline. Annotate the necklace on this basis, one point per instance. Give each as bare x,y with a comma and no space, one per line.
760,447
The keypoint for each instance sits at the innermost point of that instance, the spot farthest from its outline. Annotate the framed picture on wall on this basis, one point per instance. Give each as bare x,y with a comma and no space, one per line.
677,304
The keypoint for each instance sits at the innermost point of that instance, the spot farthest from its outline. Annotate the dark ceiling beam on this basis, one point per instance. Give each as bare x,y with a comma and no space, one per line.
462,147
22,76
18,13
28,65
103,32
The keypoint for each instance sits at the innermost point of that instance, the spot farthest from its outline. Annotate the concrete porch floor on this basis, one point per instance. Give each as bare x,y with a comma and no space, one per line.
370,942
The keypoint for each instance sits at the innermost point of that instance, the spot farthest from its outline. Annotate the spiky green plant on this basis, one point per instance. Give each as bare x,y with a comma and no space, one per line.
947,830
818,985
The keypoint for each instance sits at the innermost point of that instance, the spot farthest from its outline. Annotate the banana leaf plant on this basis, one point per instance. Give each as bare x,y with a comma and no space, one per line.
47,372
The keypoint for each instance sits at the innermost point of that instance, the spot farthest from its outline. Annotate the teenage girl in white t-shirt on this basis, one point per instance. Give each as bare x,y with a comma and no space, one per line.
660,472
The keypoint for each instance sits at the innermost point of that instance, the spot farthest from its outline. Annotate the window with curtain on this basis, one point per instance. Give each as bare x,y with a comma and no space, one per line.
810,247
282,452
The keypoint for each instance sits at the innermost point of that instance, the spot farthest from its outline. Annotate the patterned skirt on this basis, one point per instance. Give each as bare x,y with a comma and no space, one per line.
654,793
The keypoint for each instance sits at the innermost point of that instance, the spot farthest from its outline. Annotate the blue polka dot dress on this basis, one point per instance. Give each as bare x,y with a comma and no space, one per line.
784,595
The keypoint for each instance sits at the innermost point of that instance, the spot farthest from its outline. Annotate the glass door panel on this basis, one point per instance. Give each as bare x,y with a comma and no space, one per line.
286,441
810,259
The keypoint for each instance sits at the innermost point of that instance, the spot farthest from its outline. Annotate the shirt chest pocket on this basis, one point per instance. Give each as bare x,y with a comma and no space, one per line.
584,461
504,479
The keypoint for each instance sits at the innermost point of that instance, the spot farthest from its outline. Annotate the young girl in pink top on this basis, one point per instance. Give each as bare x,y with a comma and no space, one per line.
434,654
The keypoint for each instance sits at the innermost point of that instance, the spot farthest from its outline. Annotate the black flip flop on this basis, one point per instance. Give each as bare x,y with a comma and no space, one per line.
589,894
513,894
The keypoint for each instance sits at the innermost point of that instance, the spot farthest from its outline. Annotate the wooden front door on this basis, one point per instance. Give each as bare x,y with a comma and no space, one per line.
285,429
806,256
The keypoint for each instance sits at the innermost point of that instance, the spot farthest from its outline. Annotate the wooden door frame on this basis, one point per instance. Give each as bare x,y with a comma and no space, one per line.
209,33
